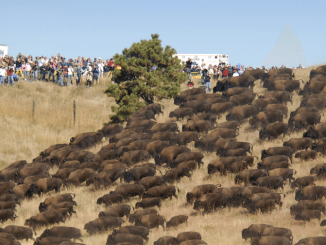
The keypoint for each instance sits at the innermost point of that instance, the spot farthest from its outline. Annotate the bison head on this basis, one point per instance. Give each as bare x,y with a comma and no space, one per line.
29,222
138,205
311,133
246,234
99,200
237,179
127,176
262,135
37,241
189,197
45,233
197,205
313,171
42,207
211,169
298,195
323,223
259,165
264,154
158,160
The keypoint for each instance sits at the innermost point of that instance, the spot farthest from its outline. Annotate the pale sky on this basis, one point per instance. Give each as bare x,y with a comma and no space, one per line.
245,30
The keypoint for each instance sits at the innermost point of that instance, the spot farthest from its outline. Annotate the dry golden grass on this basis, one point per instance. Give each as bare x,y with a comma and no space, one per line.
23,138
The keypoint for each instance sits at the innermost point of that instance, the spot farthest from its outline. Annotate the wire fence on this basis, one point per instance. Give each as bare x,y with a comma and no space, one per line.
68,113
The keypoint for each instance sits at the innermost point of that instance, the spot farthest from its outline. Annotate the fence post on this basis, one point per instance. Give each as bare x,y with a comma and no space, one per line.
33,109
74,113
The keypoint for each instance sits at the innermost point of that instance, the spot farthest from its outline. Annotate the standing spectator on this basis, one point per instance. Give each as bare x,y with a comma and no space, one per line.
60,75
208,83
24,70
19,64
10,72
241,70
95,74
225,72
89,77
2,74
100,67
11,63
51,71
79,73
34,70
65,73
204,66
235,73
44,70
230,69
28,71
70,73
211,70
111,63
188,67
106,69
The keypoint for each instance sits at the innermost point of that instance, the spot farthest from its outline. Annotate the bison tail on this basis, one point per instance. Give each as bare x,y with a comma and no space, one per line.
252,147
35,233
163,106
178,189
218,185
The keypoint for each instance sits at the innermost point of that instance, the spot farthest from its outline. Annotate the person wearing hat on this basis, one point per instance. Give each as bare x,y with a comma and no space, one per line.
2,74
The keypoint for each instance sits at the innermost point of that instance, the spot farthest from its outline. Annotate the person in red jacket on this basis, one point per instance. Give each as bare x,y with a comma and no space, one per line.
225,72
10,72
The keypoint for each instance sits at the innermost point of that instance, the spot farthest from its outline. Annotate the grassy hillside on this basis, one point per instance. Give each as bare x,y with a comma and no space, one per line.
24,137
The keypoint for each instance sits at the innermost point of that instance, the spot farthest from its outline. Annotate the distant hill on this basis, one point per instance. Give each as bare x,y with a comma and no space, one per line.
286,51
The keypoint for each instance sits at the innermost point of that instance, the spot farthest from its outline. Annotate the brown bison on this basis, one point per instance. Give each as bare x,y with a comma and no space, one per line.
265,117
273,130
176,221
169,154
181,113
272,151
162,191
239,113
150,221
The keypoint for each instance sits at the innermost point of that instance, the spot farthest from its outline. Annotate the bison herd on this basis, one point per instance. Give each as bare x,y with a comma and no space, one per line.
150,157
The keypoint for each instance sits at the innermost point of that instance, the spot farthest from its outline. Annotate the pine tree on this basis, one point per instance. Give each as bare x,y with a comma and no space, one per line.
136,84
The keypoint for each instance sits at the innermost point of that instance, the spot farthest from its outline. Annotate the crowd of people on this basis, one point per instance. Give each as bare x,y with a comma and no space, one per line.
55,69
222,70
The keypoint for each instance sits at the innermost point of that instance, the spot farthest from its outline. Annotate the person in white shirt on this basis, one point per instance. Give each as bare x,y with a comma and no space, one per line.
70,73
2,75
235,73
100,66
28,71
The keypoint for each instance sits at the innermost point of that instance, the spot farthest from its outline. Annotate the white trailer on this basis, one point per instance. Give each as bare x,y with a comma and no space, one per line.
207,59
3,50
